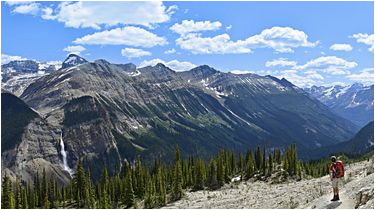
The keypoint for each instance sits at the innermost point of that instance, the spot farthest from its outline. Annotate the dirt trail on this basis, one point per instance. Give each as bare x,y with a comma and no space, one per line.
313,193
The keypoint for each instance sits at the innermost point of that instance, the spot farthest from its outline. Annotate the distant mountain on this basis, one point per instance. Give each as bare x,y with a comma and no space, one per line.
111,112
17,75
28,143
353,102
361,143
73,60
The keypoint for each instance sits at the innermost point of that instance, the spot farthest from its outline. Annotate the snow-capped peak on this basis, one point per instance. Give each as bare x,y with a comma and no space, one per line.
73,60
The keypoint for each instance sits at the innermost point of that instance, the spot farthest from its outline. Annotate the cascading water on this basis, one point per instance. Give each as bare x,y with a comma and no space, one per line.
63,154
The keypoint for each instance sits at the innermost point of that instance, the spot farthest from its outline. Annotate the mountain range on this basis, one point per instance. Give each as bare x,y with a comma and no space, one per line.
107,113
354,102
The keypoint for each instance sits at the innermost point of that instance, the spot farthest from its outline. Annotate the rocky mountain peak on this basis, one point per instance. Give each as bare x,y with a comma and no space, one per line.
73,60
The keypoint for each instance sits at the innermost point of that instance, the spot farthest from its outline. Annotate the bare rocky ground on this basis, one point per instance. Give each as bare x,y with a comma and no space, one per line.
357,190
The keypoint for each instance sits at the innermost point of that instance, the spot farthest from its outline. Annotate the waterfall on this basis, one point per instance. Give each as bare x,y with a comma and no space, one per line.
63,154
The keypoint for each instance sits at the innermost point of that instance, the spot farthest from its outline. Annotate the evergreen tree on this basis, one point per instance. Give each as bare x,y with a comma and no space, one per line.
128,195
270,164
104,188
220,169
177,179
18,200
25,204
258,159
264,167
45,201
7,197
199,175
212,181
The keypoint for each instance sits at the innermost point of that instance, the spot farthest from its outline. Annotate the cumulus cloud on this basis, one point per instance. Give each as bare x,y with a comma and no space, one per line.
294,77
8,58
281,62
76,49
341,47
173,64
95,14
188,26
130,35
170,51
220,44
12,3
329,64
134,52
280,39
365,76
367,39
32,8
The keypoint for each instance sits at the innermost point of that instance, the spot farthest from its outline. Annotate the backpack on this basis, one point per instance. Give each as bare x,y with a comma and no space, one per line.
340,171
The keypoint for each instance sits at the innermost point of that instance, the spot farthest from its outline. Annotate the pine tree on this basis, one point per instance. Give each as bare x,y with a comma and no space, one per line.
80,185
45,201
149,195
220,169
264,167
128,195
249,165
177,179
258,159
162,187
7,197
212,181
24,199
18,199
270,164
199,175
104,188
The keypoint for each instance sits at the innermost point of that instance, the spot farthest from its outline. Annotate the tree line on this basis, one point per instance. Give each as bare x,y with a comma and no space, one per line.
154,186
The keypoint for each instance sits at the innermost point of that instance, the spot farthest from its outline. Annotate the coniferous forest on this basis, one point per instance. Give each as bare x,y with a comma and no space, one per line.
138,185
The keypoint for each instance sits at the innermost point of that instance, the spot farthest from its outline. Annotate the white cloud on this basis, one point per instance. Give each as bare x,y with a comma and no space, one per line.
220,44
8,58
77,49
311,74
366,76
170,51
329,64
341,47
281,62
188,26
228,27
130,35
32,8
241,72
281,39
173,64
298,80
95,14
134,53
12,3
367,39
47,14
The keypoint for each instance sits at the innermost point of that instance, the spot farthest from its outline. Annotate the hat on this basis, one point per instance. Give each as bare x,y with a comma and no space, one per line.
333,157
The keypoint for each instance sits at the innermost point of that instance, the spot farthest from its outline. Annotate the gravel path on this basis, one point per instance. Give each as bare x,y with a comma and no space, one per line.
313,193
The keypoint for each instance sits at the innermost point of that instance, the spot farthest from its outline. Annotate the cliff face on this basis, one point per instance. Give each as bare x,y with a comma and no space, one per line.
29,144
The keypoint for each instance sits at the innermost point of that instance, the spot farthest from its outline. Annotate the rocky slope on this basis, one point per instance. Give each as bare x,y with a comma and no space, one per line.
310,193
111,112
353,102
28,143
17,75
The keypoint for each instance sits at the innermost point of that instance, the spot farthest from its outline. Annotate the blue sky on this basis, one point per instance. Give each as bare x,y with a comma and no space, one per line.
309,43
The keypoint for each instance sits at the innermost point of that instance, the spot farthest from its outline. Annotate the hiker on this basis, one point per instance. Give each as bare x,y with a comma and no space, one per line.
336,171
